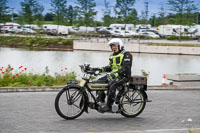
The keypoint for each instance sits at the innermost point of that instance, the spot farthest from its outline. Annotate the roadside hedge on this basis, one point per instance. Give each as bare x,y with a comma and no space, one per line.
34,41
10,77
179,38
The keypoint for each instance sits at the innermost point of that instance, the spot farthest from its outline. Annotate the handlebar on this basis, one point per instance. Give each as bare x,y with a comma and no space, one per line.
87,69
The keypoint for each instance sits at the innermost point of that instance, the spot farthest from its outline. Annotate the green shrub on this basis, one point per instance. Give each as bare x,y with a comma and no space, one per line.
9,77
178,38
173,44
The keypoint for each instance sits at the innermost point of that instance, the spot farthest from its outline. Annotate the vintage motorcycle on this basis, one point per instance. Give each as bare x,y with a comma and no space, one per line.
76,97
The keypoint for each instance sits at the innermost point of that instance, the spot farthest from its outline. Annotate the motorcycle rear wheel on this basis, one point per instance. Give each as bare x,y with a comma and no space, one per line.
69,103
132,103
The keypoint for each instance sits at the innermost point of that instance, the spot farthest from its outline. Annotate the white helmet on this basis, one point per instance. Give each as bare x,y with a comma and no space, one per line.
116,41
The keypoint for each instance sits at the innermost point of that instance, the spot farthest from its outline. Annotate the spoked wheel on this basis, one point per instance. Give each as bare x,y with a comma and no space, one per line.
132,103
69,103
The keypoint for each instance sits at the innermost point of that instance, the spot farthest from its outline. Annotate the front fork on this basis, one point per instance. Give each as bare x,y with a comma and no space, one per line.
87,101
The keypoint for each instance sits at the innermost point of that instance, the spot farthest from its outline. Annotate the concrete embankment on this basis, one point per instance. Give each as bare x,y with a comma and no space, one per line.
50,88
140,47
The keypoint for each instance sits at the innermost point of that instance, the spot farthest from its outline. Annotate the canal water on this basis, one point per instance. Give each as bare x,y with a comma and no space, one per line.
67,61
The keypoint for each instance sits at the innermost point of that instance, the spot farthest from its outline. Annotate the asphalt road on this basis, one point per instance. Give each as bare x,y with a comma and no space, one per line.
33,112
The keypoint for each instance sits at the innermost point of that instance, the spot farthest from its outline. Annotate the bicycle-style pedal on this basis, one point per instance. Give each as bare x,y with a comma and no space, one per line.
91,105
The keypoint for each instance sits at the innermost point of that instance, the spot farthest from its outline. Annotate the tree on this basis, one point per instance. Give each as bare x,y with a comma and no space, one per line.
49,17
152,20
197,17
3,10
30,10
59,9
86,12
71,14
38,16
124,8
15,16
183,8
75,16
161,19
162,15
107,11
132,17
142,18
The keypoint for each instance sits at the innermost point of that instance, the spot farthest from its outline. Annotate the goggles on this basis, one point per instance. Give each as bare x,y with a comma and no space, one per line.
114,43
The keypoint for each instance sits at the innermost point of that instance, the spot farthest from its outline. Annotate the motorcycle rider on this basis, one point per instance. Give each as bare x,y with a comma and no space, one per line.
120,63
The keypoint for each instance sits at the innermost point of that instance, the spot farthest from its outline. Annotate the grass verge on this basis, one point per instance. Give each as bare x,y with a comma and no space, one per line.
173,44
14,41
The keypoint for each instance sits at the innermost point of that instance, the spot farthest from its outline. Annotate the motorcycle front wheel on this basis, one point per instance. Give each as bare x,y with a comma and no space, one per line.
132,103
69,103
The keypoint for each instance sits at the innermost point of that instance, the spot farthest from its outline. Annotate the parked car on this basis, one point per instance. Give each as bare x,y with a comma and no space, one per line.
72,29
116,33
149,34
27,30
150,30
128,33
103,30
51,31
32,26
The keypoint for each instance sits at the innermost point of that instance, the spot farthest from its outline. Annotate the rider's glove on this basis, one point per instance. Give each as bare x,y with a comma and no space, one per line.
112,76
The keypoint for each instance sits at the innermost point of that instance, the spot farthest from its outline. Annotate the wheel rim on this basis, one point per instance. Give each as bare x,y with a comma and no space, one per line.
132,102
71,102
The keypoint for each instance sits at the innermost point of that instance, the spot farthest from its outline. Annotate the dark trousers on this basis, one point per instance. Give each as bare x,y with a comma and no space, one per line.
112,87
101,94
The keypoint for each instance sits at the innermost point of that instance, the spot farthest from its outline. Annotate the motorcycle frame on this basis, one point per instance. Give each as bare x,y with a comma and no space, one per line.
83,86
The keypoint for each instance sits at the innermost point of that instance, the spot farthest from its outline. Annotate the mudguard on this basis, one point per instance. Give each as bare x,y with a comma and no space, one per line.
84,93
142,89
145,94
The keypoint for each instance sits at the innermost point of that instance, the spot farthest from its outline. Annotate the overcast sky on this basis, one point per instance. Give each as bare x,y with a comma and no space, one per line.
153,5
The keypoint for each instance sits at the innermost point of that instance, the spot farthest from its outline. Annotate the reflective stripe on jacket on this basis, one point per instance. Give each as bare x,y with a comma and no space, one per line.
120,64
115,61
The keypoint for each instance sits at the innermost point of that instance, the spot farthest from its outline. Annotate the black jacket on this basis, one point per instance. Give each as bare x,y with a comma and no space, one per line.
125,71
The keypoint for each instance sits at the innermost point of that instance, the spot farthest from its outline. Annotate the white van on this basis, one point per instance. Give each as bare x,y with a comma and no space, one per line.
84,29
49,26
122,27
62,30
10,27
168,30
56,29
32,26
